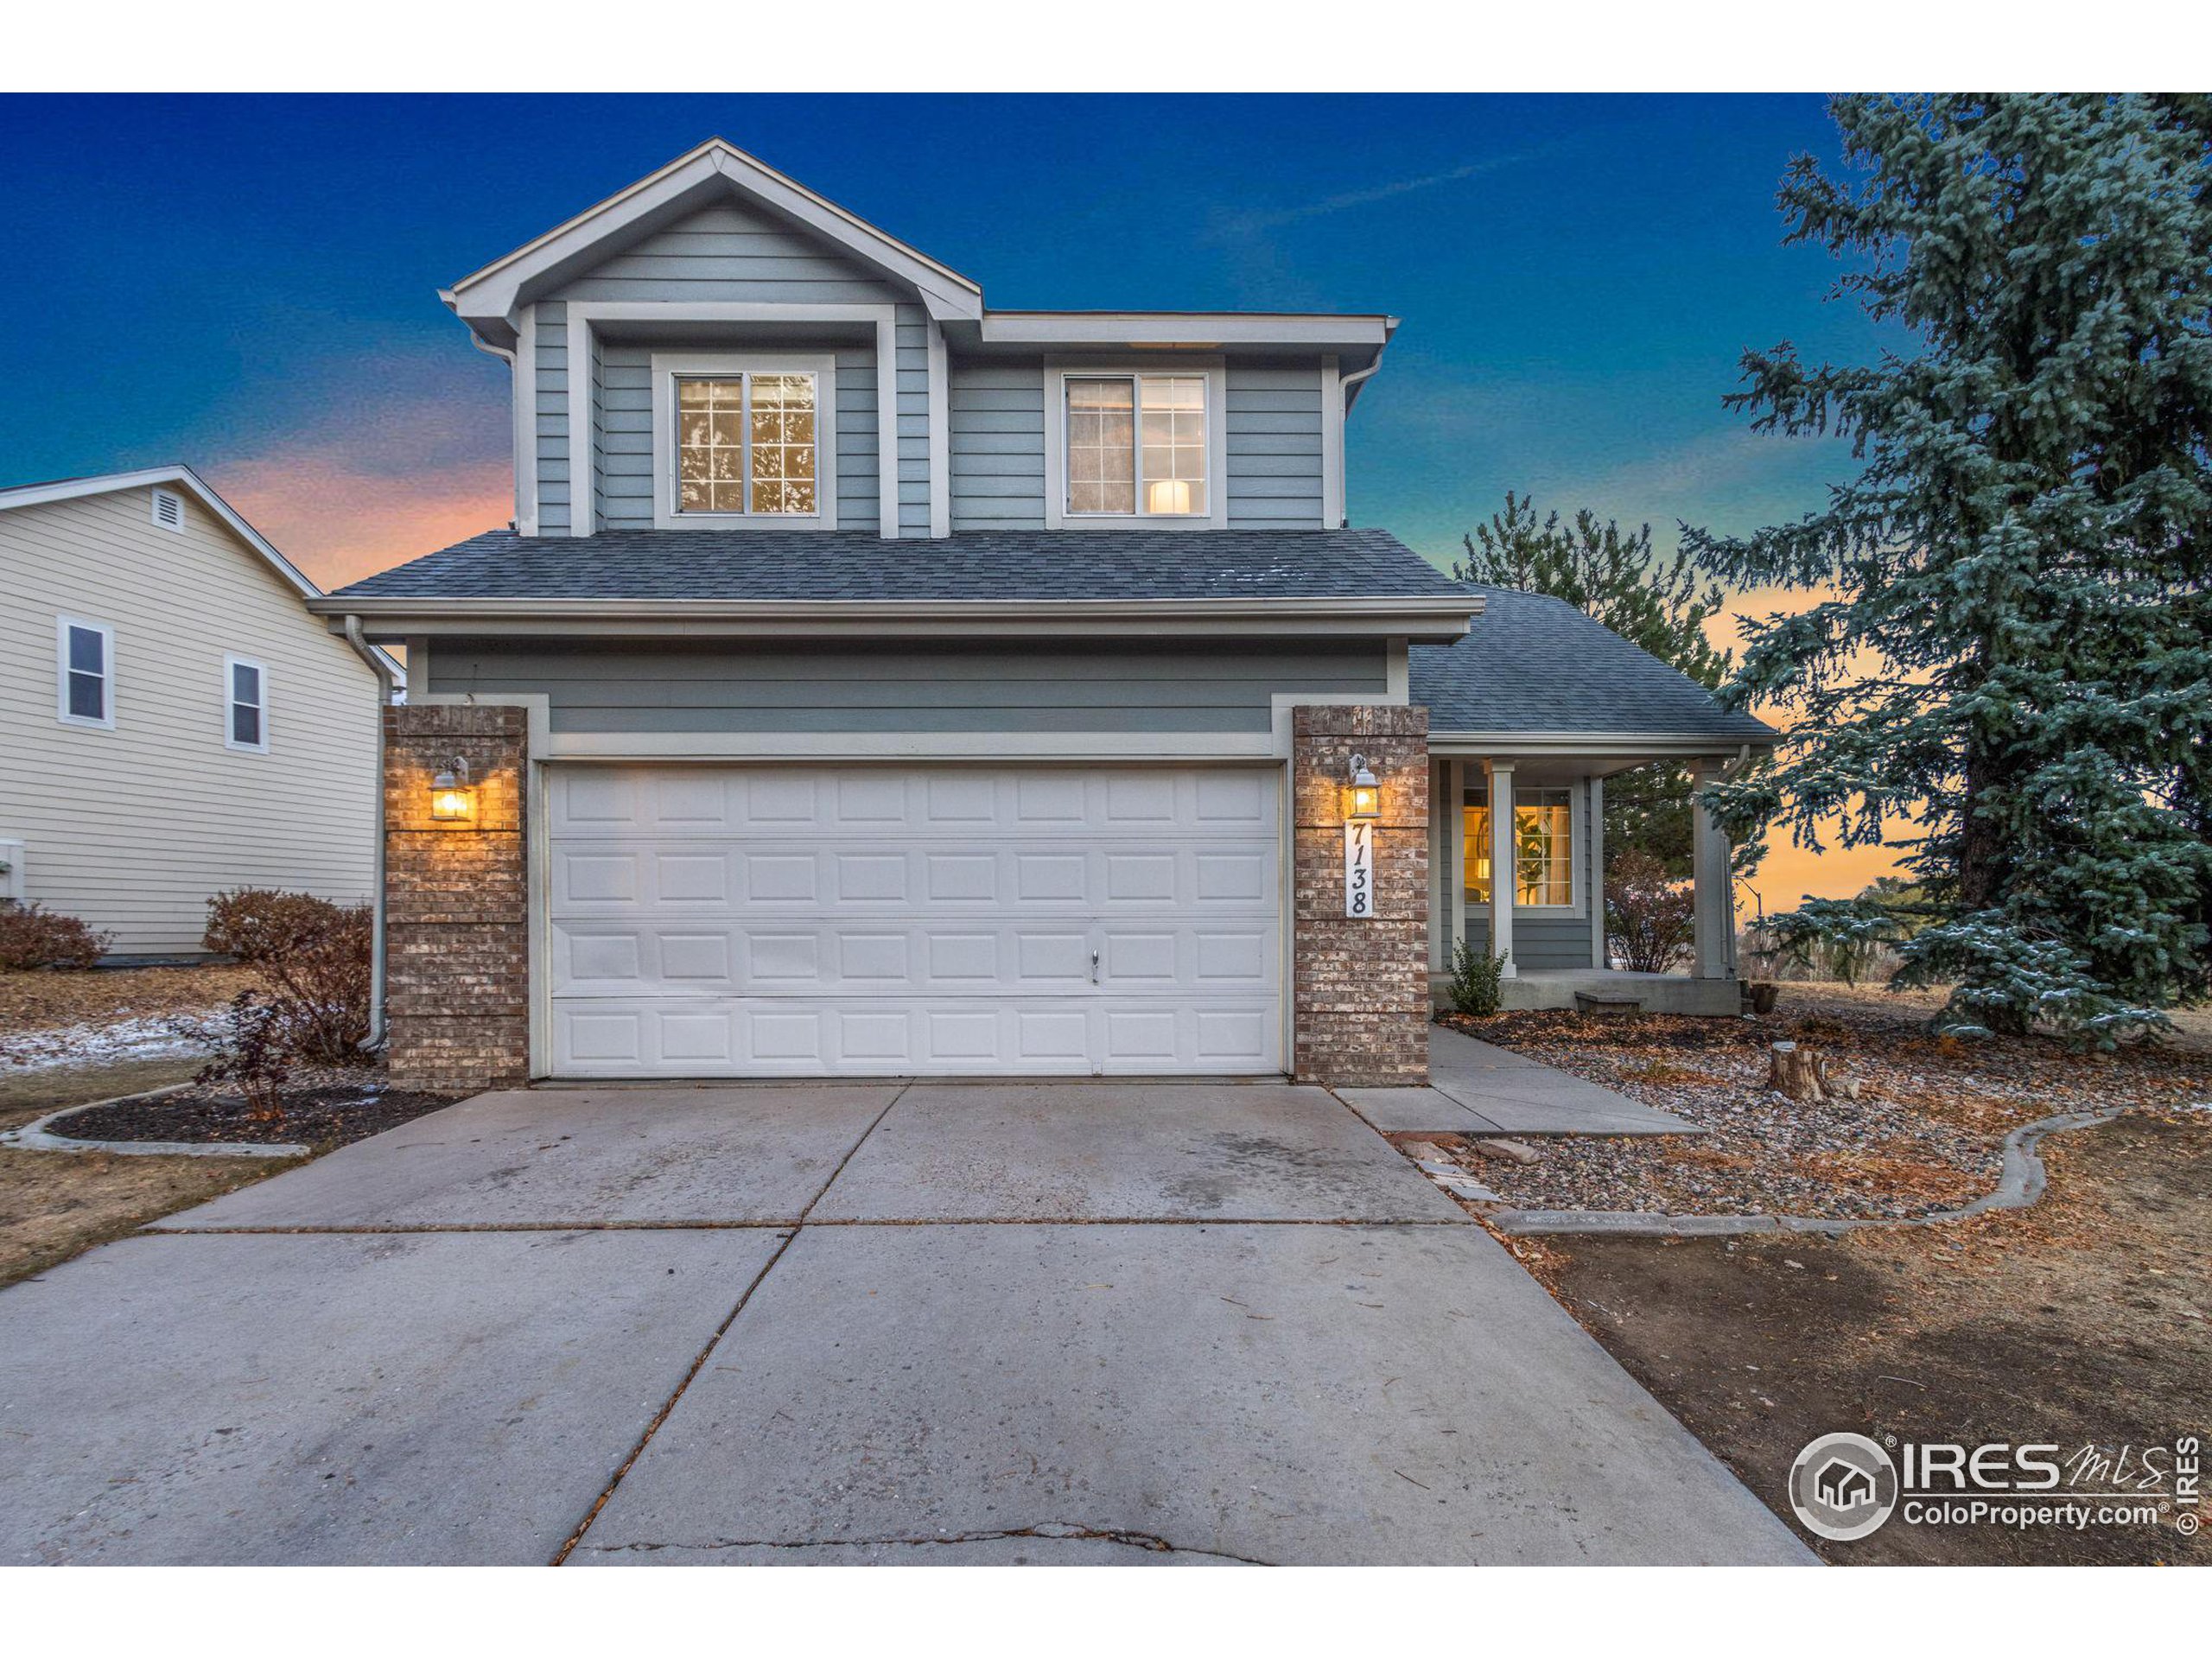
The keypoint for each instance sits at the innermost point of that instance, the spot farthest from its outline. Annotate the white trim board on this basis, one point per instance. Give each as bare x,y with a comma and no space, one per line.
1059,370
667,367
582,314
487,298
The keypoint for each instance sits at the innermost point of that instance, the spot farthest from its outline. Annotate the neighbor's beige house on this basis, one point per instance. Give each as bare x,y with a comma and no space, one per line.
175,723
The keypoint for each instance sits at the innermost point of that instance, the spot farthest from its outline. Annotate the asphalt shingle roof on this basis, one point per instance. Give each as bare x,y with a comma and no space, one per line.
1531,662
1072,564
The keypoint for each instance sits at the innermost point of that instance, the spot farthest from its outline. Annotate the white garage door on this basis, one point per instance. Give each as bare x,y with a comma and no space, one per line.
794,921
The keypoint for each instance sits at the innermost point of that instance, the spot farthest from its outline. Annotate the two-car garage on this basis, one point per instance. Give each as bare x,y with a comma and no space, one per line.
766,920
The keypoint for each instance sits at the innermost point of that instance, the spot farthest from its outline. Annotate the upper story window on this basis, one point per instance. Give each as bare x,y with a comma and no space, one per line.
1137,444
1130,444
85,673
743,439
246,689
1544,848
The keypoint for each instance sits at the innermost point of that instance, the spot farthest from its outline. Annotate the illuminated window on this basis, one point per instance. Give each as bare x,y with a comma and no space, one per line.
745,443
1544,848
1136,446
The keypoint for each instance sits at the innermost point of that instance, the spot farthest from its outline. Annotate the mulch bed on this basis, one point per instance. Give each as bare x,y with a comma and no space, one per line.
328,1110
1925,1133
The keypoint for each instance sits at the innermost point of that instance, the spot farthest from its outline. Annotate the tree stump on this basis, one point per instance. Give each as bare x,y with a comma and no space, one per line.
1797,1073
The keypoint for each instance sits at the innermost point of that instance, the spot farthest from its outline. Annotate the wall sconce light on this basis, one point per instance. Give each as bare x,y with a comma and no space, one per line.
452,798
1363,795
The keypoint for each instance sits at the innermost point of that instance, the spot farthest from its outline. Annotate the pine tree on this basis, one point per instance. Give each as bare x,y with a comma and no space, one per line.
2009,652
1661,605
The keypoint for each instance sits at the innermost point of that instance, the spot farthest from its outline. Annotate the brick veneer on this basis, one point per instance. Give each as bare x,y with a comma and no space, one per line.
456,918
1360,996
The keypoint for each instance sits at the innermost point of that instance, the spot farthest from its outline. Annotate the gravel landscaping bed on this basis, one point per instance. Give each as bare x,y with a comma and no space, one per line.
1925,1133
323,1108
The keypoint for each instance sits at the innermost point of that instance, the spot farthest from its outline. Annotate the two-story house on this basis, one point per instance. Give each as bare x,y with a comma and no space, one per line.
873,682
173,722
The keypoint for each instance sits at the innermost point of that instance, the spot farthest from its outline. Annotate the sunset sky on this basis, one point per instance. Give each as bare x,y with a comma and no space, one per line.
248,285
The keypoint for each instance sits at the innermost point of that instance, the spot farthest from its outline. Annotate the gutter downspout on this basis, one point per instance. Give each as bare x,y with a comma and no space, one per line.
383,672
1348,387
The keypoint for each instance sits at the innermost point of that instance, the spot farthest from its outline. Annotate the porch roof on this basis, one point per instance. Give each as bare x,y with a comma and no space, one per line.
1531,665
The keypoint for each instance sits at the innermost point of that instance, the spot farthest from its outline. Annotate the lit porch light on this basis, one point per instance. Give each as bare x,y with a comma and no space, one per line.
1363,794
452,798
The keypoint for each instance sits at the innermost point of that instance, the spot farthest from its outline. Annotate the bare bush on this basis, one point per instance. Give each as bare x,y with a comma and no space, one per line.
313,955
1650,919
31,935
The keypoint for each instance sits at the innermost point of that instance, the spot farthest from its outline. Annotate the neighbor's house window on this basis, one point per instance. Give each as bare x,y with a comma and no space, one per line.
743,439
1544,848
246,711
85,673
1136,446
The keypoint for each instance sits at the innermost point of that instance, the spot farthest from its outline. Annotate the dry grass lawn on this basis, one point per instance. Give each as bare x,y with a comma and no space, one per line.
57,1205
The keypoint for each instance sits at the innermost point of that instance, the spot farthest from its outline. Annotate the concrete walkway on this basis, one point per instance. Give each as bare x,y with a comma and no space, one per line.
1058,1323
1477,1087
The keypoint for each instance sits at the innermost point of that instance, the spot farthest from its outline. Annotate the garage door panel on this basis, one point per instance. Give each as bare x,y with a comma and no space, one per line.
776,958
763,921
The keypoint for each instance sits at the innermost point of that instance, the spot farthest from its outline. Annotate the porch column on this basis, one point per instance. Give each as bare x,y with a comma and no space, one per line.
1713,888
1502,864
1455,844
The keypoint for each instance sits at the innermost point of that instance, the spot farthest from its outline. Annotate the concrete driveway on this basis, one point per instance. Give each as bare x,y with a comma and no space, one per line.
932,1323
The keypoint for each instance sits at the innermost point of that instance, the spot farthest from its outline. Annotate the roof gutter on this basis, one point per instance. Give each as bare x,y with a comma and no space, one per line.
1427,617
380,665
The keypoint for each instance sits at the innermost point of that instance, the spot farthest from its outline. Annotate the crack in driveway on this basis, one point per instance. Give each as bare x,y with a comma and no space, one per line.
1151,1543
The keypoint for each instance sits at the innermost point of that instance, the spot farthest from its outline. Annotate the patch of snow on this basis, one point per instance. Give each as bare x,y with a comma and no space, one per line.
105,1045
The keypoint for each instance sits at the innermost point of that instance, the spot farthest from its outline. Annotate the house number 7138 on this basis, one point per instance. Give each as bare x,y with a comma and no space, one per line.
1359,869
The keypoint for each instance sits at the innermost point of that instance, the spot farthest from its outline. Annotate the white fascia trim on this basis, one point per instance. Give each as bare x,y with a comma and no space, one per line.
912,745
583,316
525,437
492,293
940,434
1195,329
1424,616
1332,443
1059,370
1570,743
183,478
664,368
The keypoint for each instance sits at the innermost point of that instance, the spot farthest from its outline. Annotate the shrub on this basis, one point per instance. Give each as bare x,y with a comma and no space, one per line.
251,1045
32,936
1475,976
1650,919
313,956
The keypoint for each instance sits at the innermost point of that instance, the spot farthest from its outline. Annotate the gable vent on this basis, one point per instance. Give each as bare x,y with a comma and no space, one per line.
168,509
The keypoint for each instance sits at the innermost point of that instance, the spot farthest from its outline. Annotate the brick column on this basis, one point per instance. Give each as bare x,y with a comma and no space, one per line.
456,921
1360,997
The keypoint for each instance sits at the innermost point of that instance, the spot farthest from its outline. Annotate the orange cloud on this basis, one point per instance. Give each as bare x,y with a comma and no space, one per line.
339,522
1792,873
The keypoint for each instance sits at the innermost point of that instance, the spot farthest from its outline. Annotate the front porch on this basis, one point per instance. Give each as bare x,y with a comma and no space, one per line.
1540,814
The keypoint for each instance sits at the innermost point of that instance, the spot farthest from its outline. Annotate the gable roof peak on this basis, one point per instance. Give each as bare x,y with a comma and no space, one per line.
489,300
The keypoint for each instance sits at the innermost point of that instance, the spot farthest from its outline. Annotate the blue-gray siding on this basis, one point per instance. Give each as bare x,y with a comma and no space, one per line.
1274,445
1273,437
1546,941
668,687
998,445
726,254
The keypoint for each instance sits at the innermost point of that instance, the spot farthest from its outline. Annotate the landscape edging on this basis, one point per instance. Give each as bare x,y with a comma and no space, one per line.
2024,1180
34,1136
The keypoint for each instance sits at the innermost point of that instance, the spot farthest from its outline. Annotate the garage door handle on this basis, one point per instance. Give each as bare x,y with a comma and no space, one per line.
1094,967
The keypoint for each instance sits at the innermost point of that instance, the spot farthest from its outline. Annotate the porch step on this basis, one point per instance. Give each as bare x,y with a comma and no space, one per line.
1608,1005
